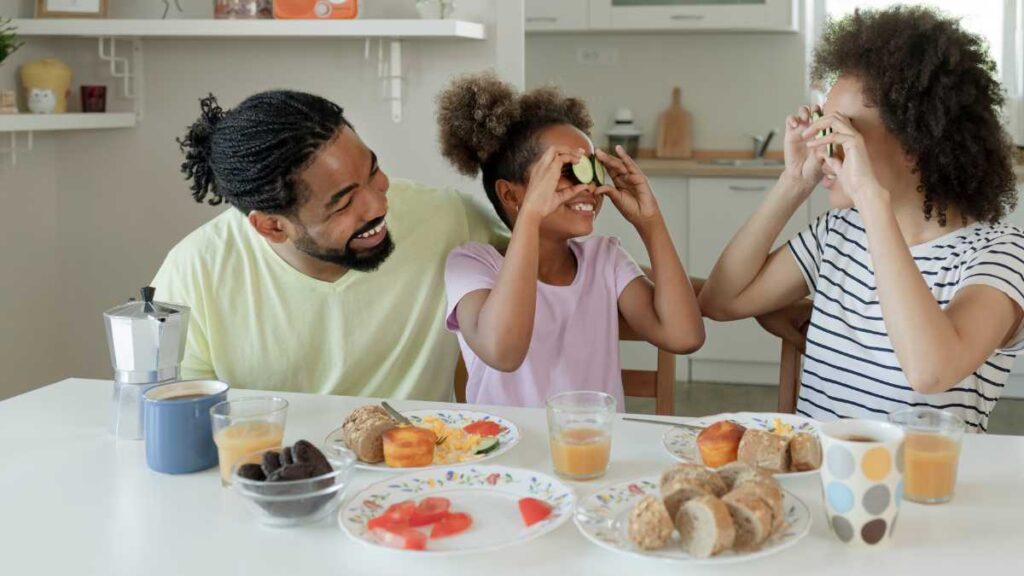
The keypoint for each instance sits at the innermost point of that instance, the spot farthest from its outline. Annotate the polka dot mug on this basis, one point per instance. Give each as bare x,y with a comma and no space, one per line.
862,479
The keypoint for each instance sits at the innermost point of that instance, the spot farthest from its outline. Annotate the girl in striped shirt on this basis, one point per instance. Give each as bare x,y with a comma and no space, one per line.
917,288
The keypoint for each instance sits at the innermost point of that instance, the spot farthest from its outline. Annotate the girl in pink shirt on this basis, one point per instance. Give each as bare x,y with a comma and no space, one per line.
542,317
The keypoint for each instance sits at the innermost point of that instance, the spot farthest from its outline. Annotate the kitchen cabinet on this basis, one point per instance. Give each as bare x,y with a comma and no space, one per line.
718,207
557,15
698,15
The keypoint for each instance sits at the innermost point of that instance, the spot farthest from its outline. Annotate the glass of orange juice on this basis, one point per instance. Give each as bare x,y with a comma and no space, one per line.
243,427
931,453
580,432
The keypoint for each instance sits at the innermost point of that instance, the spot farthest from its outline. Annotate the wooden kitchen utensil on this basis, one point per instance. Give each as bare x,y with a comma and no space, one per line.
674,129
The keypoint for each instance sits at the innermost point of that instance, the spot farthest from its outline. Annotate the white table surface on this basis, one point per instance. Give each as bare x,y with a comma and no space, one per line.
74,500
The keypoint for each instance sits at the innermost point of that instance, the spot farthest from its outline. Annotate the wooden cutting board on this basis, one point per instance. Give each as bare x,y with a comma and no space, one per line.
674,129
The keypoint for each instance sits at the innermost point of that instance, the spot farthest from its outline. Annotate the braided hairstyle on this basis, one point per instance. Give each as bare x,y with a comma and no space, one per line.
252,154
487,126
935,88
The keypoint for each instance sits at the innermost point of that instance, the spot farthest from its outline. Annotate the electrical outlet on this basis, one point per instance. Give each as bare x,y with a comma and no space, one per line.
598,56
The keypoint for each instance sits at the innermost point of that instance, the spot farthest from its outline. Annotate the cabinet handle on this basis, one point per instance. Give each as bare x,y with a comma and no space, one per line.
735,188
536,19
687,16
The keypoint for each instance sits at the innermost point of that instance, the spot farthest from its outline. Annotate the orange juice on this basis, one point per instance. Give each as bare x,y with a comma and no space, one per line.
930,462
242,439
581,453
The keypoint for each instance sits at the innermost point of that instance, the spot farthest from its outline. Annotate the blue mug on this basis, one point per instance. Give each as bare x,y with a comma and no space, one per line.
176,425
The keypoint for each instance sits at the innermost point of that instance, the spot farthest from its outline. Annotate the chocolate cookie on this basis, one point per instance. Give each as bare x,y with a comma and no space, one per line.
307,453
252,472
286,456
271,462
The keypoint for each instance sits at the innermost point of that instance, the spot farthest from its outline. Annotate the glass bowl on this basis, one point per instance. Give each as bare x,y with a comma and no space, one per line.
295,502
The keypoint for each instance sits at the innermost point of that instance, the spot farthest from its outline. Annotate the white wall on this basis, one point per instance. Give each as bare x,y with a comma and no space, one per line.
104,207
733,84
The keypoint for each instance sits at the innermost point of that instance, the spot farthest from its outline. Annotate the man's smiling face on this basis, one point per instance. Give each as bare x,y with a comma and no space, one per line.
341,218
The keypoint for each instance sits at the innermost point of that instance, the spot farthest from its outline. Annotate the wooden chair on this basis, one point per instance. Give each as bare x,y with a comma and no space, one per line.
658,384
789,377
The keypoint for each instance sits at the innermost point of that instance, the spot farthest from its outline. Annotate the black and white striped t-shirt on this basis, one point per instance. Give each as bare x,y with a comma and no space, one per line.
850,369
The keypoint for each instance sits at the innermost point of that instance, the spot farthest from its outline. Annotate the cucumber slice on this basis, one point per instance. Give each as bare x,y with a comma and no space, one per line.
487,444
599,172
583,170
829,148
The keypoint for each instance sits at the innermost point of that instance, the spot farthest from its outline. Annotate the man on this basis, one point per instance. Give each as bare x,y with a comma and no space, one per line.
326,277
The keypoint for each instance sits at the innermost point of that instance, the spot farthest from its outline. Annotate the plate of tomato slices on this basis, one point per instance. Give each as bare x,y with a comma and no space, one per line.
458,510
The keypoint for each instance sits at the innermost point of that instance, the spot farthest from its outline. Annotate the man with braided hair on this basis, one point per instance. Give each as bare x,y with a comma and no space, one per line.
326,277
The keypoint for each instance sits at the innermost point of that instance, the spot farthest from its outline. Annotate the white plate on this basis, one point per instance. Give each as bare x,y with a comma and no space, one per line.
603,518
681,442
507,438
490,494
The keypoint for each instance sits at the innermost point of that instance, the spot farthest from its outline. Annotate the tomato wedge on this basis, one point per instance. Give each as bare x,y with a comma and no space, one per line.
404,539
533,510
483,428
451,524
396,517
429,511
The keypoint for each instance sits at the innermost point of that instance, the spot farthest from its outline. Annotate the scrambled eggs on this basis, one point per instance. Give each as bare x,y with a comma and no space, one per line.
782,429
458,445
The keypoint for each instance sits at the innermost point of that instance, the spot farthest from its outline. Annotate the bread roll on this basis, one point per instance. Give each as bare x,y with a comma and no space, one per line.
705,527
650,526
709,479
751,517
736,473
804,452
766,491
363,432
764,450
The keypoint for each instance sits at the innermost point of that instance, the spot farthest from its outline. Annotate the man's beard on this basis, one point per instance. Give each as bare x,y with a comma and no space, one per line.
362,260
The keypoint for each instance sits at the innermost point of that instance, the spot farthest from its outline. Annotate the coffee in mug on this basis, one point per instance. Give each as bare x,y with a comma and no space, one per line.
176,425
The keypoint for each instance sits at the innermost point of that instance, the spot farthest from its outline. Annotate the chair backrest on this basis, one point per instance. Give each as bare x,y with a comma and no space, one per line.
789,377
658,384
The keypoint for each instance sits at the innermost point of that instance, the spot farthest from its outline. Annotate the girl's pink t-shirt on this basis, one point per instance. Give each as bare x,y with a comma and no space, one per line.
575,344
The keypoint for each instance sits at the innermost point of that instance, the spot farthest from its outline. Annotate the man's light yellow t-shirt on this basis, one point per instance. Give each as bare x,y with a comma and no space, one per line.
259,323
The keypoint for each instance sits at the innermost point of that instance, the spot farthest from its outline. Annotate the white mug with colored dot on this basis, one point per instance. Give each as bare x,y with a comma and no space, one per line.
862,479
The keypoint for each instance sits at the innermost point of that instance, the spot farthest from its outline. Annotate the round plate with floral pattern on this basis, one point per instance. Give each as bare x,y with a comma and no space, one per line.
603,518
507,438
681,442
489,494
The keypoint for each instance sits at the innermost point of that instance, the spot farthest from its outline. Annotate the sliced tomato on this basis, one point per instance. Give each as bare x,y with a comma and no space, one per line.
429,511
483,428
452,524
404,539
533,510
396,517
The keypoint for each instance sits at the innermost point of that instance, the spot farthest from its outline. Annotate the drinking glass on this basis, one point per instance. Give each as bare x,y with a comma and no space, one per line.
243,427
931,453
580,433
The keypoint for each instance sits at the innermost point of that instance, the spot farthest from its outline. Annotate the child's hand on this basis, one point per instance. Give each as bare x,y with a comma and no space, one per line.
852,166
801,163
542,194
631,193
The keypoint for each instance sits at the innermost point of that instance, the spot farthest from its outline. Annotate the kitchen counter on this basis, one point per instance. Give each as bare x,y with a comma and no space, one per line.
77,501
694,168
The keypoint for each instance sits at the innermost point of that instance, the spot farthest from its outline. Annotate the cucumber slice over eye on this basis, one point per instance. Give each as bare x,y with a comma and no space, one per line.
599,172
583,170
487,444
829,148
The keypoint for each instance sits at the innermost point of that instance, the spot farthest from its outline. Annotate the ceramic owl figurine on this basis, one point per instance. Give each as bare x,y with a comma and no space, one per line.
42,101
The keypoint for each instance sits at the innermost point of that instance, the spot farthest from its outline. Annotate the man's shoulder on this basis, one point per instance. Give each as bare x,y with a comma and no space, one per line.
211,241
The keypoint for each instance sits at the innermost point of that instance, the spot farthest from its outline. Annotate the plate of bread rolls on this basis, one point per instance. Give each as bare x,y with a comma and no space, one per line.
785,445
696,515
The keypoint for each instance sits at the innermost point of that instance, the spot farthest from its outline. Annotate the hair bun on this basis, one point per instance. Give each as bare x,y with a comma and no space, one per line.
196,145
475,114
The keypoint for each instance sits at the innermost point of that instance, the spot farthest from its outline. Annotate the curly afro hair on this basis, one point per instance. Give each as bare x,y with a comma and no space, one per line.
488,127
935,88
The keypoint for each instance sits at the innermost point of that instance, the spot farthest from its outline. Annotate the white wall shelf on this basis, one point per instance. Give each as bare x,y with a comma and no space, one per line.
228,29
70,121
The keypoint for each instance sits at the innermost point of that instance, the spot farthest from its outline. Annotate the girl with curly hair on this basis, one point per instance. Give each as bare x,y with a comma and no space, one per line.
543,316
917,288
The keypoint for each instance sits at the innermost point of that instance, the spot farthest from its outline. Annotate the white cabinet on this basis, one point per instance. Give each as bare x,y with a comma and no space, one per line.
557,15
745,15
718,208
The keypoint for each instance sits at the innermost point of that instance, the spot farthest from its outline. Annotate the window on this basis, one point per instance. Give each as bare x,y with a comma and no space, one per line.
997,21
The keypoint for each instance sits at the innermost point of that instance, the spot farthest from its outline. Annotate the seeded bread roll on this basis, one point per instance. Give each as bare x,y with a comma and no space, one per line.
709,479
751,517
764,450
680,490
804,452
650,526
736,473
705,527
363,432
766,491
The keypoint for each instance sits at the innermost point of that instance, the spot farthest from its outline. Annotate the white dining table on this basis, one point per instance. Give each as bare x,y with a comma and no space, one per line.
75,500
